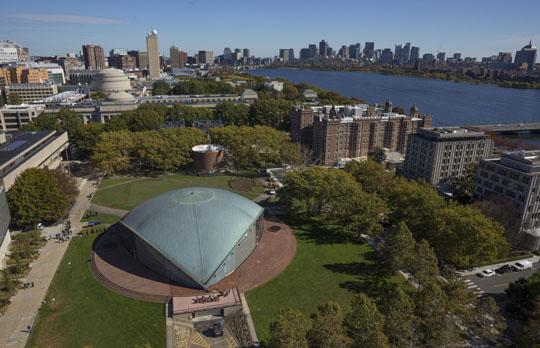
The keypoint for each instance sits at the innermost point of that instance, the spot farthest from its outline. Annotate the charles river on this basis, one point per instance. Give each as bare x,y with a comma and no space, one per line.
450,103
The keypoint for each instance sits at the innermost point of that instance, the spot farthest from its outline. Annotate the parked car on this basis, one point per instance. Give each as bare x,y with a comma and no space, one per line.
217,329
92,223
40,226
271,192
523,265
487,273
506,269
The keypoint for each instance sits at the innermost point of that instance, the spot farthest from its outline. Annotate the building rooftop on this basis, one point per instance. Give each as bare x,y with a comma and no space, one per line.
20,144
450,133
64,98
349,113
194,228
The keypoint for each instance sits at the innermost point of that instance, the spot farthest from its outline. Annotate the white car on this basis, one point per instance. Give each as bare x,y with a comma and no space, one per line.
487,273
523,265
271,192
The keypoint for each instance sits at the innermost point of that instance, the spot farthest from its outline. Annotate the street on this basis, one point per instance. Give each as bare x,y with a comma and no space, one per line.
496,285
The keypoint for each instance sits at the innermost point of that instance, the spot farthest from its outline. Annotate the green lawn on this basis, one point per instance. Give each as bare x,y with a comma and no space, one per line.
86,314
323,269
128,193
104,218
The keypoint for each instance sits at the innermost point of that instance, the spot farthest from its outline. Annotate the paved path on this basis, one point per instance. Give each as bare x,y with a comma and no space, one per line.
25,304
107,210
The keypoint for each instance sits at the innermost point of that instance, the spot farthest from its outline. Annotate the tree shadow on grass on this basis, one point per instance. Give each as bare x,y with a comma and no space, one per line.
371,278
323,234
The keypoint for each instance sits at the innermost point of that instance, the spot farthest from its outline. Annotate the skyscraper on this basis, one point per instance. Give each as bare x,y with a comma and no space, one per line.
313,51
153,54
246,53
206,57
286,54
354,51
369,50
304,54
323,48
526,55
406,53
441,56
175,57
93,56
415,54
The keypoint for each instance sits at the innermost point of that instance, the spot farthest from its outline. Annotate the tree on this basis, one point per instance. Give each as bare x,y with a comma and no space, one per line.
8,283
288,329
520,299
363,213
503,211
232,114
14,99
377,155
113,152
67,185
271,112
35,197
160,87
465,237
400,248
462,187
327,327
398,310
364,324
87,138
370,175
424,267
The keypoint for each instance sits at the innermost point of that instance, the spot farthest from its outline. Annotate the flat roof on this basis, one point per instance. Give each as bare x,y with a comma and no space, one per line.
20,143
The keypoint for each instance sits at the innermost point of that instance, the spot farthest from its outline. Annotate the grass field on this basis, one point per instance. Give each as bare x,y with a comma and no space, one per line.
104,218
126,194
324,269
86,314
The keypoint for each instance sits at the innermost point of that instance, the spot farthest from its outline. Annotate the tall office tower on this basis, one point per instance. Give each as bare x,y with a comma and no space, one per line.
143,60
206,57
406,52
304,54
438,154
387,57
344,52
313,52
227,55
415,54
369,50
286,54
354,51
175,57
441,56
93,57
397,53
526,55
153,54
135,56
323,48
183,59
246,53
457,56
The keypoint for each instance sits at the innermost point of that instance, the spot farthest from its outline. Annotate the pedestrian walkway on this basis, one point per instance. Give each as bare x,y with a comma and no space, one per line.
474,288
22,311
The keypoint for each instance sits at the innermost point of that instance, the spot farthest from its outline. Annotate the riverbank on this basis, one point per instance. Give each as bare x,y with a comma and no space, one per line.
450,104
435,75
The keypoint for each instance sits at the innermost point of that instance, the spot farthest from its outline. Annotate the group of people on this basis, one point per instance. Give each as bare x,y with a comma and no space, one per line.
66,232
214,297
27,285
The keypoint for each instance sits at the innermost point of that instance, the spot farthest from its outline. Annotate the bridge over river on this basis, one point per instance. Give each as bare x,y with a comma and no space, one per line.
508,128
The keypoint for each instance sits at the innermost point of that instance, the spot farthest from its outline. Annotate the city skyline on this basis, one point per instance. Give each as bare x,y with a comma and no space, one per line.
113,25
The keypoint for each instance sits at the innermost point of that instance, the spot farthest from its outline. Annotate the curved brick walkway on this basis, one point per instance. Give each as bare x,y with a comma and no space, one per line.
117,269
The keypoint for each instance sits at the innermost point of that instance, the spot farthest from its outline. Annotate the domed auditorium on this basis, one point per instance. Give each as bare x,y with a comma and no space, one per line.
190,241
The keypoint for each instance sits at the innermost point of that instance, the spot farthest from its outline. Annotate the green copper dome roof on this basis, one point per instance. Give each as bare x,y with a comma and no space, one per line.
194,228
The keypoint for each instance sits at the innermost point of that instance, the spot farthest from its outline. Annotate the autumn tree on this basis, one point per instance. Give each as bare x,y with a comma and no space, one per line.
36,197
288,329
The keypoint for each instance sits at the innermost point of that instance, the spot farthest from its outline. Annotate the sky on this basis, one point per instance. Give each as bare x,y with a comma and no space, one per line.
474,28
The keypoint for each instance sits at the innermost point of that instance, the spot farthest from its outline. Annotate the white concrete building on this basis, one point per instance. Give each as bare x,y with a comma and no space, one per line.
30,150
29,92
13,117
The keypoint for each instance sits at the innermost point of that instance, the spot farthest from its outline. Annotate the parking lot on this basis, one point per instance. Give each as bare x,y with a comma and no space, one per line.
496,285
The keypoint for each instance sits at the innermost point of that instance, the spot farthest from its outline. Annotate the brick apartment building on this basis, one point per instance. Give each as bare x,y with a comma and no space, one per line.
341,132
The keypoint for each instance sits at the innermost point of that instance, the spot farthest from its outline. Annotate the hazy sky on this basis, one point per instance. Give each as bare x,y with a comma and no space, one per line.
474,28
